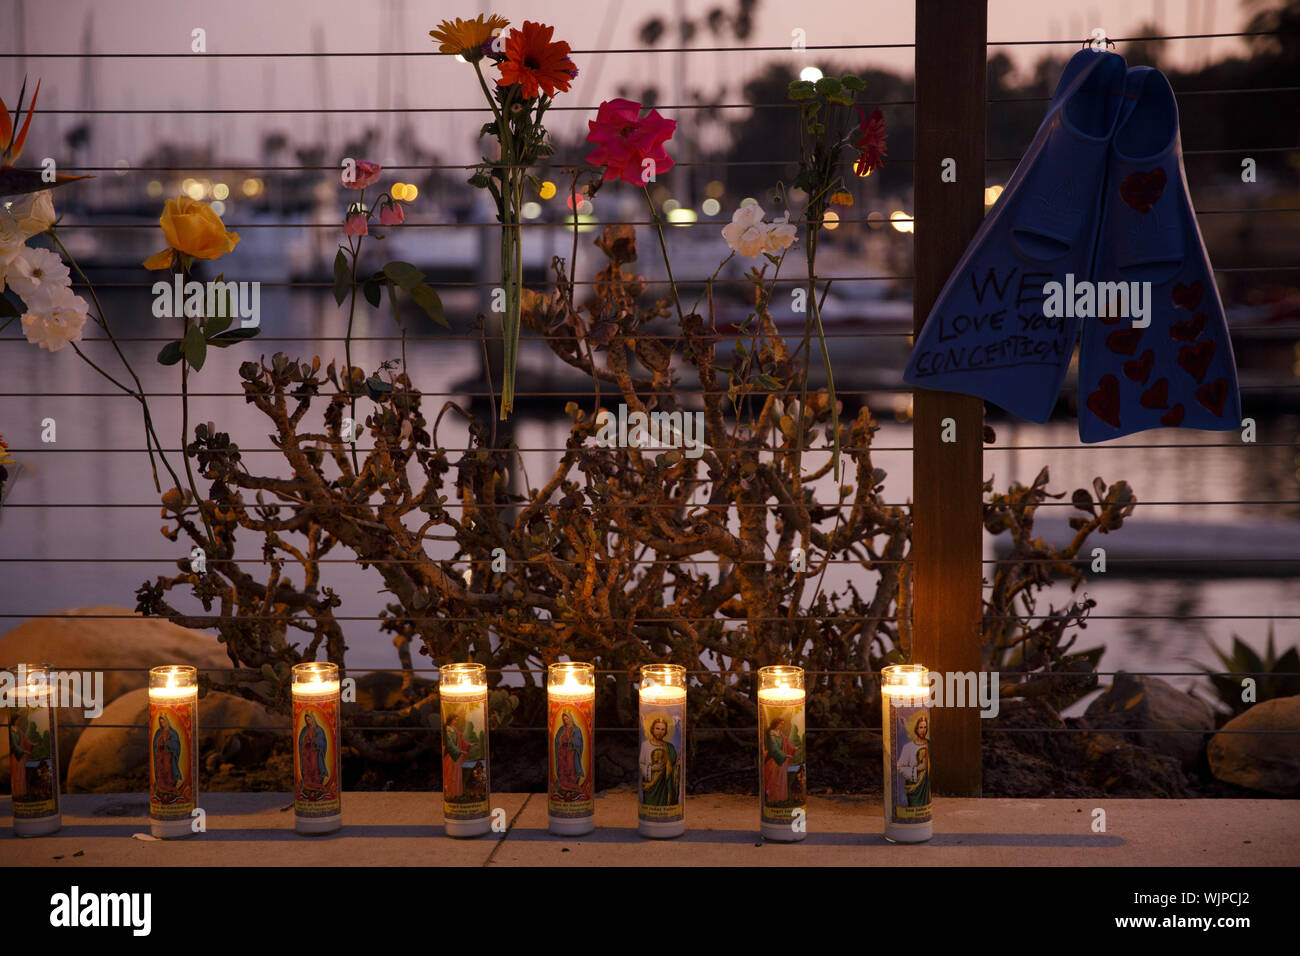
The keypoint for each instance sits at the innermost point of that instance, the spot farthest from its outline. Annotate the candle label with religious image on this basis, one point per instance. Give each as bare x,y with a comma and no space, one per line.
571,723
907,791
173,759
465,756
662,761
784,757
34,762
316,756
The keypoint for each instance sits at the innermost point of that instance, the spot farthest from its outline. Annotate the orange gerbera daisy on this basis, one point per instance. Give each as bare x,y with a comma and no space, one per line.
535,63
467,37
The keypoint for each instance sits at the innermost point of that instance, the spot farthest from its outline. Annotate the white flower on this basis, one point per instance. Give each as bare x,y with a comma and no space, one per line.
58,323
37,275
24,217
780,234
746,233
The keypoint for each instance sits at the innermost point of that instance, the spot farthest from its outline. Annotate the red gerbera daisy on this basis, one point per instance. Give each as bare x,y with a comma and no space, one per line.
535,63
871,144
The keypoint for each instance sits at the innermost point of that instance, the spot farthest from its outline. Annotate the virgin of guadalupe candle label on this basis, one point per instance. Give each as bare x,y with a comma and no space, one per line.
908,789
662,762
33,763
464,757
785,775
316,756
570,727
173,762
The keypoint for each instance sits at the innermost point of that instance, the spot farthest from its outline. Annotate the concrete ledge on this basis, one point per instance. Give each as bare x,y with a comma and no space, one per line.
405,829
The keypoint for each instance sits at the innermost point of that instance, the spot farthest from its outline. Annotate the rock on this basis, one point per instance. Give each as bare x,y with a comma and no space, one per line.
123,647
382,690
115,758
1141,704
1269,762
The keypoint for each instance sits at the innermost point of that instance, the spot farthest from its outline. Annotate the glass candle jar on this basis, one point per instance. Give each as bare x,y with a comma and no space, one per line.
905,715
661,810
782,754
570,740
317,790
173,750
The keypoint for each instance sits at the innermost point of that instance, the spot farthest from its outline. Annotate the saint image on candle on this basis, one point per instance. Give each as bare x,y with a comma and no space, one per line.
167,761
913,760
570,773
661,774
31,757
463,775
312,752
783,770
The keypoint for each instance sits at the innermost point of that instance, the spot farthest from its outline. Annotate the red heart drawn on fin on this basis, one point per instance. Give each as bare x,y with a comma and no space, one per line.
1124,341
1139,370
1173,418
1104,403
1195,359
1157,396
1141,190
1188,296
1189,330
1213,394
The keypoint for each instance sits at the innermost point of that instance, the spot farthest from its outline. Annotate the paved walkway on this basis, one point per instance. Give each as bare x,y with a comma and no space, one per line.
387,829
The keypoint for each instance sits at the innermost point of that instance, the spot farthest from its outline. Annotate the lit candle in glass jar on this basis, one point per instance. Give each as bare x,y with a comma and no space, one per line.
173,750
317,790
782,754
33,728
463,697
570,740
661,810
905,713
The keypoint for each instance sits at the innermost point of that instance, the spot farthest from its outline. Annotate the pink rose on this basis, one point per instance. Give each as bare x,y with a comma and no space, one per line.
362,176
391,214
630,146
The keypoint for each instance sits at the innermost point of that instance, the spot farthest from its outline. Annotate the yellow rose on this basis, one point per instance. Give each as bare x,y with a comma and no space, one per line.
191,227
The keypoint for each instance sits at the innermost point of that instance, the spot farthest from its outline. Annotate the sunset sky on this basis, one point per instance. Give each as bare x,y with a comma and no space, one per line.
193,81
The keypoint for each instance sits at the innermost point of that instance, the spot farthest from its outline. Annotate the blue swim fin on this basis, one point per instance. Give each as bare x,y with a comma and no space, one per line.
986,334
1178,371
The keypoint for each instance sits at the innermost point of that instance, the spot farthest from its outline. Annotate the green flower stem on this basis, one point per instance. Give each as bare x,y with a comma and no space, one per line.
663,248
150,433
347,347
185,429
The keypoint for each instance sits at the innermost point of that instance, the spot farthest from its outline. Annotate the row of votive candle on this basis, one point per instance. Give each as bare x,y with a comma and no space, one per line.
463,691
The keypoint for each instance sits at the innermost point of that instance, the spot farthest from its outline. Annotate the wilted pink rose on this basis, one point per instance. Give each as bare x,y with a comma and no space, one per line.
391,214
364,175
356,224
630,146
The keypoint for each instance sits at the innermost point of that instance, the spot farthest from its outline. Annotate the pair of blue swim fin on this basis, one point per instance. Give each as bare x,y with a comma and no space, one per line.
1094,230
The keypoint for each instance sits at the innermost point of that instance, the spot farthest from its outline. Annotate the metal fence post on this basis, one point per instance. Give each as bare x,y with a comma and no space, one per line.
947,531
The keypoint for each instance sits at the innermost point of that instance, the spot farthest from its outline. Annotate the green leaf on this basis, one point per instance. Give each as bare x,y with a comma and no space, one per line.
827,85
854,83
801,90
194,347
342,278
404,274
229,338
218,323
371,291
427,299
170,354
